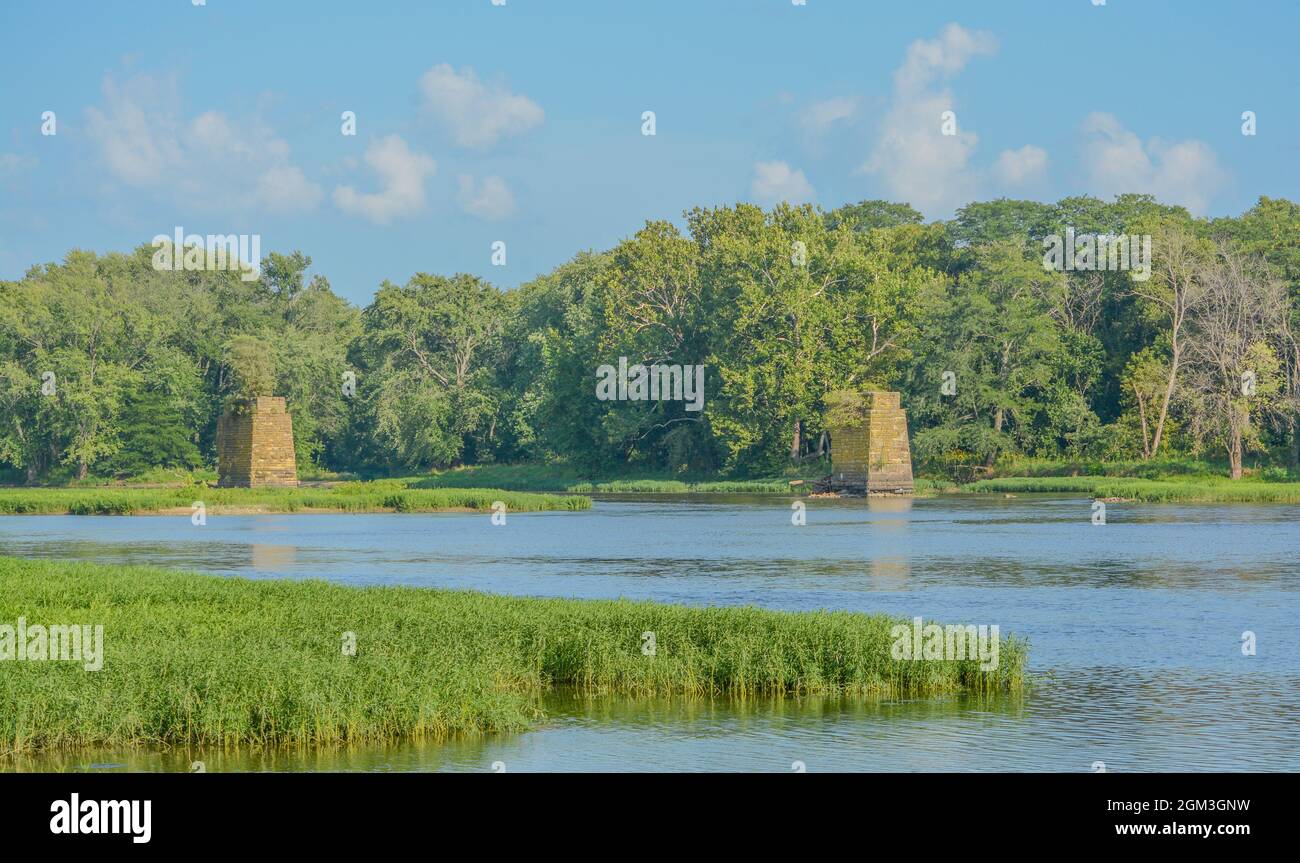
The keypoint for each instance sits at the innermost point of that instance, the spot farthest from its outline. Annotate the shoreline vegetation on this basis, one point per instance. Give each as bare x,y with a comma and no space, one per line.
546,487
1182,480
116,367
357,497
211,661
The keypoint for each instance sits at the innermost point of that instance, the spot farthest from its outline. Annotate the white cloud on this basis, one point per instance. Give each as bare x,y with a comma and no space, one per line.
1117,162
1022,167
211,162
402,173
818,118
15,162
490,199
477,114
929,60
286,188
775,182
139,143
914,160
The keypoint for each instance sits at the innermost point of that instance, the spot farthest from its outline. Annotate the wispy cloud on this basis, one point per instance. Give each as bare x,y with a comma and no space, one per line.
402,173
490,199
1024,167
209,162
775,182
818,118
12,163
1117,161
912,157
476,114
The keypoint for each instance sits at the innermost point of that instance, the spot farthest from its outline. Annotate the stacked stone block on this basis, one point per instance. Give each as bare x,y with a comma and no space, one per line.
255,445
873,456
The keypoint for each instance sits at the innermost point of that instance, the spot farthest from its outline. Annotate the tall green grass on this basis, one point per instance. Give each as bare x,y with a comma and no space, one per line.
566,478
675,486
1189,490
378,496
208,661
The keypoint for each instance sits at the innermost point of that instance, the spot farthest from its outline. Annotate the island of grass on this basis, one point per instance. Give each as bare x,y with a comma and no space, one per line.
209,661
391,495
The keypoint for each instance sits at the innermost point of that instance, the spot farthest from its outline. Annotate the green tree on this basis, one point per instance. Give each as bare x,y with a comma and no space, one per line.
427,392
250,367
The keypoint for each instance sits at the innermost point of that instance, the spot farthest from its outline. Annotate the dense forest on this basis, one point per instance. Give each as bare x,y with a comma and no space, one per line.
110,367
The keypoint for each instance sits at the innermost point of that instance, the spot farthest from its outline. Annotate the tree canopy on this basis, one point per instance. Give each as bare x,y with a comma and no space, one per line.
111,366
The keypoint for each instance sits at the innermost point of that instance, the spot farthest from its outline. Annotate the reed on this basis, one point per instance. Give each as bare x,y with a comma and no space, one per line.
377,496
560,477
202,660
1192,490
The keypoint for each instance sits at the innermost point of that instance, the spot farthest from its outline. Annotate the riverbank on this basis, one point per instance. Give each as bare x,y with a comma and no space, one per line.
1191,482
568,479
1175,480
561,478
205,660
1181,490
536,487
375,496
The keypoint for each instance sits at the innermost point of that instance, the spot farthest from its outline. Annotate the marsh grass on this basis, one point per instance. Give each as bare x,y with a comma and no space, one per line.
1190,489
565,478
377,496
200,660
670,486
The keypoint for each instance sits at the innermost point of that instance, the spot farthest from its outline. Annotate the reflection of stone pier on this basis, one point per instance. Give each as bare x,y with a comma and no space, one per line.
276,558
870,453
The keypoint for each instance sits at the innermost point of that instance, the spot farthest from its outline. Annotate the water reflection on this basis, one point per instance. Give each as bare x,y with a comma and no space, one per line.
1062,726
274,557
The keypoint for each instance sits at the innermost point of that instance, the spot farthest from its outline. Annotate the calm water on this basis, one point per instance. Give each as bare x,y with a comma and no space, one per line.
1135,626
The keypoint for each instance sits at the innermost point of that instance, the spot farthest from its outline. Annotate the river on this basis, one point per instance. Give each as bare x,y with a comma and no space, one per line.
1135,626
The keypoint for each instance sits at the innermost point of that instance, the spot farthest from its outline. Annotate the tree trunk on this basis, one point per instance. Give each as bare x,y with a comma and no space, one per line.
1164,405
1142,411
1234,453
796,445
992,457
31,472
83,468
1293,457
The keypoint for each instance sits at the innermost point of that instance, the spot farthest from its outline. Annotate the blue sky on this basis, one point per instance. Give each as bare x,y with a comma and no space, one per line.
523,122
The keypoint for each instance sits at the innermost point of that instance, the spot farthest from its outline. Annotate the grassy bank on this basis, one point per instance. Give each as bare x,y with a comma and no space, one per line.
211,661
536,487
565,478
1163,480
1188,489
376,496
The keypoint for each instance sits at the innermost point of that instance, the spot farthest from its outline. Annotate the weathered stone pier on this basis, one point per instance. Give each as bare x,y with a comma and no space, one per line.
870,453
255,444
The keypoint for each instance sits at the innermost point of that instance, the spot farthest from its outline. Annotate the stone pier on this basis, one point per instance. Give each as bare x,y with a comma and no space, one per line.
255,445
870,454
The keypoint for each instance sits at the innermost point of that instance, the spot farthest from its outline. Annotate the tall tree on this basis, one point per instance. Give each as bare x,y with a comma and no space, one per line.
1235,375
1175,291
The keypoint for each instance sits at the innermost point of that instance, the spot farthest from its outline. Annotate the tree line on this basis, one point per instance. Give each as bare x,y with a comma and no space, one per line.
109,366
